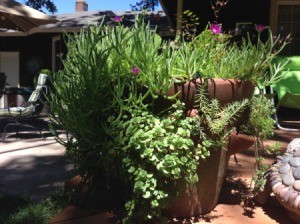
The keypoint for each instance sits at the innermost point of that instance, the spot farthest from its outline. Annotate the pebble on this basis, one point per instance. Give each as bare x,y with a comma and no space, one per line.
275,186
279,188
292,197
296,173
279,158
274,182
295,161
288,179
287,195
284,168
297,153
293,145
296,202
286,158
283,192
297,185
274,177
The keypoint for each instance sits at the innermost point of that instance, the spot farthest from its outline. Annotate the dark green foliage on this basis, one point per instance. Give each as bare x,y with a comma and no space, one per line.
261,126
158,155
144,5
22,210
40,4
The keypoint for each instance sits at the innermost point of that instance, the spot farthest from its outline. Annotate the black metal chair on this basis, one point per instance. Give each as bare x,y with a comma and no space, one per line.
16,116
2,83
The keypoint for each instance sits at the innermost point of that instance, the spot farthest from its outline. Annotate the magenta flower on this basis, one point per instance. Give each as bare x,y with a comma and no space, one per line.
260,27
135,70
117,19
216,28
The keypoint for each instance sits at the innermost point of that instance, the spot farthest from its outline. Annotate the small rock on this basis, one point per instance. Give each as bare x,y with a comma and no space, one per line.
295,161
275,186
278,158
275,182
286,158
292,197
296,173
297,185
297,153
283,192
273,177
293,145
288,179
284,168
296,202
279,188
287,195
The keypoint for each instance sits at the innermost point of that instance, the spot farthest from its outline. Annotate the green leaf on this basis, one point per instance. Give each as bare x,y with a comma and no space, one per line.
154,203
131,169
148,151
147,194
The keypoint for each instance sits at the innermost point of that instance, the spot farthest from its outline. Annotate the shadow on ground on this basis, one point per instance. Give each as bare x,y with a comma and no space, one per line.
34,176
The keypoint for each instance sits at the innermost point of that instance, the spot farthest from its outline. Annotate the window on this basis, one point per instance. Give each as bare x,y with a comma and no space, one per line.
9,64
57,54
285,19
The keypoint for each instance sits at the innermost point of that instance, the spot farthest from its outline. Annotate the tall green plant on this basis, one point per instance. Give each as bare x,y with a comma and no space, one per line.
152,56
261,126
85,96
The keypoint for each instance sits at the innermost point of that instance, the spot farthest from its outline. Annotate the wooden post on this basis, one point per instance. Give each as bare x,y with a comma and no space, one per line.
179,16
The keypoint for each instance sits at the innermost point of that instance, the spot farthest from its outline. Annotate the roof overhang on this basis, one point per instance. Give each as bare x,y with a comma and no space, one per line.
76,22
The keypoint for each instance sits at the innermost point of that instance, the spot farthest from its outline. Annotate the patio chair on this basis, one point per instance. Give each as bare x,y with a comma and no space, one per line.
288,92
284,103
17,116
2,83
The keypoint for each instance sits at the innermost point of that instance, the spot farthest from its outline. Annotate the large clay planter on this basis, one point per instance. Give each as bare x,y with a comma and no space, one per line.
225,90
238,142
202,197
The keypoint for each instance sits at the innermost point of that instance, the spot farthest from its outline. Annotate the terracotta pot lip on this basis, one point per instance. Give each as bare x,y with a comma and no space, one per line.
199,80
231,80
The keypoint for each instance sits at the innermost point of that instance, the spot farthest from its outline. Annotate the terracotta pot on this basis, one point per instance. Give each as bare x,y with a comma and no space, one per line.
202,197
225,90
238,142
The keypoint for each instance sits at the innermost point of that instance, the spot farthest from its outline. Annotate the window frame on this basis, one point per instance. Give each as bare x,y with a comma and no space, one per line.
274,8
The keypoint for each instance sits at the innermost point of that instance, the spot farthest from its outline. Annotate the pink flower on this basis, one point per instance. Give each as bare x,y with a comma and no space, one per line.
135,70
260,27
216,28
117,19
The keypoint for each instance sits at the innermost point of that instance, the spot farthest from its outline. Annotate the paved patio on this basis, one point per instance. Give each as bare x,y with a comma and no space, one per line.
35,167
32,166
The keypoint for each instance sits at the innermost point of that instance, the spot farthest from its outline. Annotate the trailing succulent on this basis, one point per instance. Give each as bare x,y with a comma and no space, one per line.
161,152
157,154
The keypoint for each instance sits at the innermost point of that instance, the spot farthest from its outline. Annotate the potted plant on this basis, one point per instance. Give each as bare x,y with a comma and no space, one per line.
107,99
